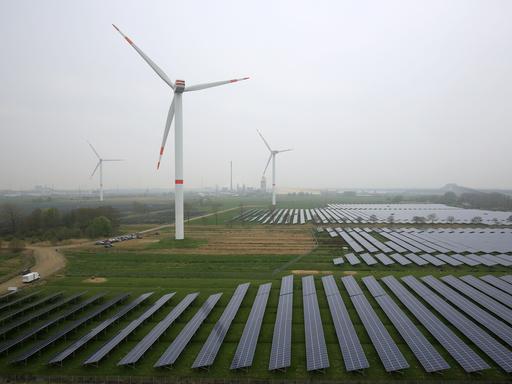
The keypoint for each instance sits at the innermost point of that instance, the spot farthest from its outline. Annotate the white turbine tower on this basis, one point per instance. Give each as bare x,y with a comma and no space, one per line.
176,108
100,166
272,157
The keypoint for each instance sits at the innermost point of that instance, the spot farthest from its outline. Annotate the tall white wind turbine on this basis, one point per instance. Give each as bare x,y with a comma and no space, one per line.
176,109
272,157
100,166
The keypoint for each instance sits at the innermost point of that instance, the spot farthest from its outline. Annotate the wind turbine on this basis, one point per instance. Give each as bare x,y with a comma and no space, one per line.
100,166
176,108
272,157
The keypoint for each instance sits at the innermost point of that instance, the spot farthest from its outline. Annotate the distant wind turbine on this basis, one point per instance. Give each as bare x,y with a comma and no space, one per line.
272,157
100,166
176,108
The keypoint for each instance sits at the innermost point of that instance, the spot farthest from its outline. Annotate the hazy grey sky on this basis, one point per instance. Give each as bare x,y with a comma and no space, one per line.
369,93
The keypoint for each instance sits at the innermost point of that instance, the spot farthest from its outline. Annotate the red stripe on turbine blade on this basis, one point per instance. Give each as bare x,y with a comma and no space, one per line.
233,81
128,40
178,182
161,151
158,165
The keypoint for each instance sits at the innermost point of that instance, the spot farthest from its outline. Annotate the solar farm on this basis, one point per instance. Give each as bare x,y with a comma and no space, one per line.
380,301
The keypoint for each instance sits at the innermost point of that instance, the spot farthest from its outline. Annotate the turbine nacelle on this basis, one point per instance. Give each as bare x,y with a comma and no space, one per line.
179,86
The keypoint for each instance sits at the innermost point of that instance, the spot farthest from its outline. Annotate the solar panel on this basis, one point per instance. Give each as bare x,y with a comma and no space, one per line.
246,348
174,350
433,260
449,260
400,259
71,349
465,260
19,300
208,353
499,328
97,356
498,283
338,261
351,286
142,347
62,332
507,278
41,312
350,346
280,355
464,355
488,289
316,349
382,247
20,338
352,259
351,243
497,352
368,259
485,301
31,306
388,351
426,354
384,259
416,259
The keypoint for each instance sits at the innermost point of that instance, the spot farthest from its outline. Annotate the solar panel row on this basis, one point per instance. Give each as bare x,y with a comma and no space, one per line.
350,346
142,347
389,354
280,355
316,349
71,349
246,348
174,350
208,352
426,354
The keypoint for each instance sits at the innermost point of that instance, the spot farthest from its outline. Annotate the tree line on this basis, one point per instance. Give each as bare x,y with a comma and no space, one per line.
53,225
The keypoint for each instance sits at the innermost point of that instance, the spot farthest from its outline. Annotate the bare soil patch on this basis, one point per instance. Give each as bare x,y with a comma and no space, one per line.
310,272
350,273
95,280
246,241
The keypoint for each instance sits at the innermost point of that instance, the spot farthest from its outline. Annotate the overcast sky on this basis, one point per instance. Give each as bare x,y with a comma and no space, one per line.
368,93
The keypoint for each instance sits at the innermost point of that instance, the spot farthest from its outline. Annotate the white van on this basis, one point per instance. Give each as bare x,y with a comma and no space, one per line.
30,277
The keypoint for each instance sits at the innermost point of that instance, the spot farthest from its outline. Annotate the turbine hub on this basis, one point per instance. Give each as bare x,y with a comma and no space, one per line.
180,86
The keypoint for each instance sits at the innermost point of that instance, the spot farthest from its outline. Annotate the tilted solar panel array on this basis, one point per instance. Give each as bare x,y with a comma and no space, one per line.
316,349
280,355
485,301
30,306
62,333
41,312
350,346
388,351
208,353
488,289
497,352
174,350
96,357
8,344
427,355
499,328
464,355
246,348
142,347
18,300
71,349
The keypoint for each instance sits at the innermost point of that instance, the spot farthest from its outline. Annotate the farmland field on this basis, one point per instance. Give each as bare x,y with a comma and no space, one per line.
219,259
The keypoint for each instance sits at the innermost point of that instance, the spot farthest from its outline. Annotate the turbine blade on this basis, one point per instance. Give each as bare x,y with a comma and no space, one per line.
266,166
285,150
151,63
265,141
96,152
170,116
198,87
95,169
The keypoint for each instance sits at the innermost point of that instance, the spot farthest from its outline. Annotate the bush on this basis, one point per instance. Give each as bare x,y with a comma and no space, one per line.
100,226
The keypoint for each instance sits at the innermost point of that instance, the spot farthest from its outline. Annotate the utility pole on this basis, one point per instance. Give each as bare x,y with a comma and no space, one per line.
231,178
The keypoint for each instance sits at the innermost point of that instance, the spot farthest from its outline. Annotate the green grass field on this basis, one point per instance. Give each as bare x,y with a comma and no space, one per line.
150,271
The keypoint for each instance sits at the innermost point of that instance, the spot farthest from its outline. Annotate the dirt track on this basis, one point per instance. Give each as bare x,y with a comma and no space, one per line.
49,261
